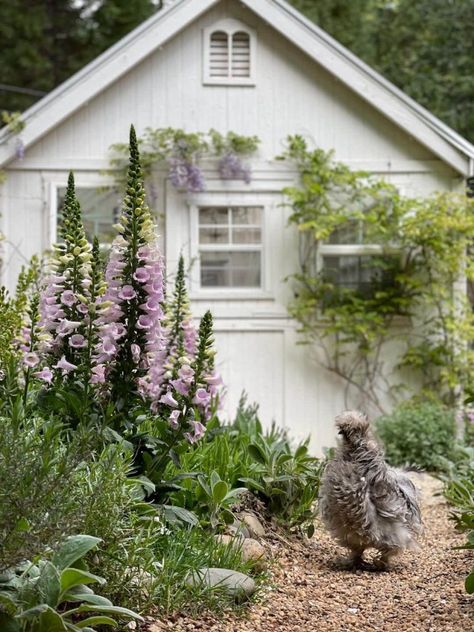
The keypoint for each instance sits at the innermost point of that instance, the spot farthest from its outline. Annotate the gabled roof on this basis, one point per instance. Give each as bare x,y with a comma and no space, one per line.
59,104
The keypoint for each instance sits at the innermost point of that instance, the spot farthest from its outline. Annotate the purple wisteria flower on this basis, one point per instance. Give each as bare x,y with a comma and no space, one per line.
186,175
231,167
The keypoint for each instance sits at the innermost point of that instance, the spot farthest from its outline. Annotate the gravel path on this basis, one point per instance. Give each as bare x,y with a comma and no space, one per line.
424,592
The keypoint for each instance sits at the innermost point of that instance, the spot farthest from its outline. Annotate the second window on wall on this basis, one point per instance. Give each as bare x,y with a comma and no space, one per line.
230,246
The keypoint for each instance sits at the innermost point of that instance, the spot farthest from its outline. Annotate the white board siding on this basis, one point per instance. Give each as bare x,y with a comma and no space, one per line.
166,89
244,362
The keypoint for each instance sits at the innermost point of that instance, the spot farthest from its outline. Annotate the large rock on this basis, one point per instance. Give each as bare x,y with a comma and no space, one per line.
253,524
235,584
253,551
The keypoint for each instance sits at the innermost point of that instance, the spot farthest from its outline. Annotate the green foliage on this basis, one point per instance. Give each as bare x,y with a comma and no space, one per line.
147,564
459,492
39,596
408,298
242,456
287,479
418,434
52,486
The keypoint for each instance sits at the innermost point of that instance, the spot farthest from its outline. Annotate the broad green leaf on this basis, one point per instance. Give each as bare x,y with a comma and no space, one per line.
99,620
51,621
182,514
22,525
48,584
257,453
73,549
7,600
219,491
469,583
204,486
8,624
125,612
96,600
74,577
215,478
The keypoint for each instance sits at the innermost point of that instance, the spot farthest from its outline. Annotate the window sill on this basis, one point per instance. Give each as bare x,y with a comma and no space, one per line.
230,295
230,81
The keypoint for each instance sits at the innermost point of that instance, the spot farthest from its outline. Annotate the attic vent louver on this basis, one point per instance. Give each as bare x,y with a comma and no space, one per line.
219,55
240,55
229,54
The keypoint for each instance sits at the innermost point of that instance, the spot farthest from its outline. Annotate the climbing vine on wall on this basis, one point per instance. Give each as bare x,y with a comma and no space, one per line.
183,153
409,323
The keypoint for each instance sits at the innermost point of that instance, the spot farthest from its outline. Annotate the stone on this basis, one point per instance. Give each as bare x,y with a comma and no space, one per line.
225,539
238,528
254,525
253,551
235,584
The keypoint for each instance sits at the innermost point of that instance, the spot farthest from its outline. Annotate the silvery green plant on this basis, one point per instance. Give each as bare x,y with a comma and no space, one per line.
47,595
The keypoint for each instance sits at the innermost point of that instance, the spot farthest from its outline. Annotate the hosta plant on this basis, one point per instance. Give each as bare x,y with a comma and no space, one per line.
55,595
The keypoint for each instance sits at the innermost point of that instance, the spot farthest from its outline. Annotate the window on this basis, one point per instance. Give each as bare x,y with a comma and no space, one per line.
229,54
230,246
100,211
346,260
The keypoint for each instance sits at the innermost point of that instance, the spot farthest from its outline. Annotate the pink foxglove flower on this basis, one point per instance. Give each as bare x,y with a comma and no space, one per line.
169,400
31,359
45,374
202,397
127,293
173,419
77,341
65,366
198,432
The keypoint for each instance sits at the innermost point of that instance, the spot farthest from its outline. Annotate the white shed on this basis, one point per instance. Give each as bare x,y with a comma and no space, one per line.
296,79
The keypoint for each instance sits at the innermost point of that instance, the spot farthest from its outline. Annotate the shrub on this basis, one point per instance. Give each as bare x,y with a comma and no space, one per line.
52,486
418,434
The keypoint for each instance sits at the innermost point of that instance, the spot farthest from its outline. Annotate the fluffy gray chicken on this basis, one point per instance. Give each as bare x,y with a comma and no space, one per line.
363,502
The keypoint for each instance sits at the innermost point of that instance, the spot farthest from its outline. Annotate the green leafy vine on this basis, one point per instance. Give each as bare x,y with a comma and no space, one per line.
406,325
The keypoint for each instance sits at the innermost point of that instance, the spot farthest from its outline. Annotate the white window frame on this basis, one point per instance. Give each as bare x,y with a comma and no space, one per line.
230,27
325,249
59,181
228,200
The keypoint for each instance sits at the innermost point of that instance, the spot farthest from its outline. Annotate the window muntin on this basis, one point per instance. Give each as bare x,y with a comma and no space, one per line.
348,261
230,246
100,211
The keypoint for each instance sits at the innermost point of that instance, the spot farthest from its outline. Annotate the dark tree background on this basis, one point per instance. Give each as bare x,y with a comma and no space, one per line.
424,46
43,42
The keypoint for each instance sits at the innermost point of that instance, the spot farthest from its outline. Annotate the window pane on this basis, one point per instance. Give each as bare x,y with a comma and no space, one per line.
247,215
213,215
246,235
230,269
348,233
100,210
352,272
217,235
